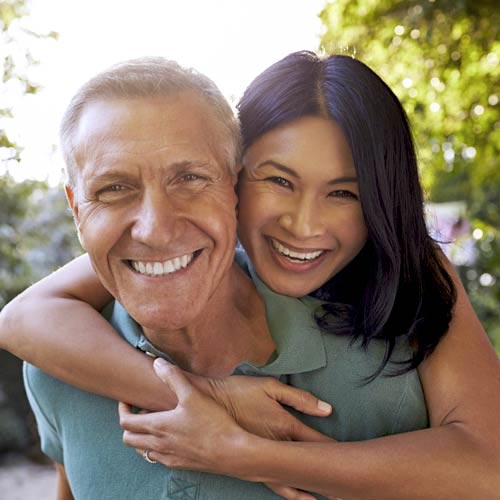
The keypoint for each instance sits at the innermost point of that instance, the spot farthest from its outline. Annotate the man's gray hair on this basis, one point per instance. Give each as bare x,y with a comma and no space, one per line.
152,77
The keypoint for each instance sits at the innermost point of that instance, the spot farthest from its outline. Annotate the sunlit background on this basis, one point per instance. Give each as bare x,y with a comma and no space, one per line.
441,57
231,41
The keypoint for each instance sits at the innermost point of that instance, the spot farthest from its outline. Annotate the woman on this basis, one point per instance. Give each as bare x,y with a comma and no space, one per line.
329,189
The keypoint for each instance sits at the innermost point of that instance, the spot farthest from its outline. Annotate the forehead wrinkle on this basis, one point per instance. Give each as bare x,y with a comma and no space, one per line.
90,152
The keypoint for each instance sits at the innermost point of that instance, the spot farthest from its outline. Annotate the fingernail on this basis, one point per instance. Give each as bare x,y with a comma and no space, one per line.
159,362
324,407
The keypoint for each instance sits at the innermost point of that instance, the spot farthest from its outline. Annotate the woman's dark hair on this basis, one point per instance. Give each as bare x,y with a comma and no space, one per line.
402,287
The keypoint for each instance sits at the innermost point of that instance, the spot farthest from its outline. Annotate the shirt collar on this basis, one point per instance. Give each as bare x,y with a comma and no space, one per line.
131,330
299,342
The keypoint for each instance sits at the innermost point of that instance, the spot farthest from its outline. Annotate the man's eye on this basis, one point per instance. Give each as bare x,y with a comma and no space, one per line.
111,192
192,178
343,193
280,181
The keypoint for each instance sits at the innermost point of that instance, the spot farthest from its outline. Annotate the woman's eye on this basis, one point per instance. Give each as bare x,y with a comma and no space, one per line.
343,193
281,181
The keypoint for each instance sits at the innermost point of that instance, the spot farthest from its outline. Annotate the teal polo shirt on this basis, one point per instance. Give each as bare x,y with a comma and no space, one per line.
81,430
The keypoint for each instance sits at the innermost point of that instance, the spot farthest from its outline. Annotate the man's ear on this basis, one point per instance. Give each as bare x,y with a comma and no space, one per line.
73,204
70,196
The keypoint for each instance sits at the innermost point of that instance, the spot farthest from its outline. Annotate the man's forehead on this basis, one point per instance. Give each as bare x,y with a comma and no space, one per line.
113,114
181,127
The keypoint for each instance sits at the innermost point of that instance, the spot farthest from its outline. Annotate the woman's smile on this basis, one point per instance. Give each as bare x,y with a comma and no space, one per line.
300,215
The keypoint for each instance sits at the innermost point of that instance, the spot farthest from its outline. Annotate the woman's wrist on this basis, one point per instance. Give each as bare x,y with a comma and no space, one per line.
240,455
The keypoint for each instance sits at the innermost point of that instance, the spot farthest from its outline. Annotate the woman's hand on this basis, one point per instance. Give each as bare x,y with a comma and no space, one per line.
199,434
255,403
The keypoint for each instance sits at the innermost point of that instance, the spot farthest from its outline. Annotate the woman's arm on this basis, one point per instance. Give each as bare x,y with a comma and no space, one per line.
458,457
55,326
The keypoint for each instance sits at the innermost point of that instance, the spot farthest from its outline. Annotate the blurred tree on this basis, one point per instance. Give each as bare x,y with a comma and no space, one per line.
442,58
15,55
36,233
36,230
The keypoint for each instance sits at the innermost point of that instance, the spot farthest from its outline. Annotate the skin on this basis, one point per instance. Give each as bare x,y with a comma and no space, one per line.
63,488
298,192
151,191
458,457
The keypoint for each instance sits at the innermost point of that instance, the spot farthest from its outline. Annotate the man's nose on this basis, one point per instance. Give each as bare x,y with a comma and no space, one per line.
303,219
157,220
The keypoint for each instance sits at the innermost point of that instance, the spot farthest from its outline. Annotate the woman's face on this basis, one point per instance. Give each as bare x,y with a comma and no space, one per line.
300,216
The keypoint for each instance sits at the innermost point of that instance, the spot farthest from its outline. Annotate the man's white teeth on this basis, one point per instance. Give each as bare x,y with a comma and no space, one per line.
295,255
161,268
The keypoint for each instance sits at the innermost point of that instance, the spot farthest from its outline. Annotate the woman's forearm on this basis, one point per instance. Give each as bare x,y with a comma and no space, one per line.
458,459
438,463
74,343
55,325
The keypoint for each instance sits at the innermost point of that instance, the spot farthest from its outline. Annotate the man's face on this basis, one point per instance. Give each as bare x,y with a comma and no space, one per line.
154,205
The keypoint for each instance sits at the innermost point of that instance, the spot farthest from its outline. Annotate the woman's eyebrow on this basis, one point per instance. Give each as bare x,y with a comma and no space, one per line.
293,173
279,166
342,180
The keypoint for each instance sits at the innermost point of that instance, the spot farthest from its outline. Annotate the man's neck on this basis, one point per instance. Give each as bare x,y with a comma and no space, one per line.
232,329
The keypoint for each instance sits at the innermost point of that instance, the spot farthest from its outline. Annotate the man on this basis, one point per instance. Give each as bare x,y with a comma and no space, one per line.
152,154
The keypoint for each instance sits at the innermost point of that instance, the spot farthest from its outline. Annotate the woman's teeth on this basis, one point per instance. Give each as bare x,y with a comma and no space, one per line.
295,255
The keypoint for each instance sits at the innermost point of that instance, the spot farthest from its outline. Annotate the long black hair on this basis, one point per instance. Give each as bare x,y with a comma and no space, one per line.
400,284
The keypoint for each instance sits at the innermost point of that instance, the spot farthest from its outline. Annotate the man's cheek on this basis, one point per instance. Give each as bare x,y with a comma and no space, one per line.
92,224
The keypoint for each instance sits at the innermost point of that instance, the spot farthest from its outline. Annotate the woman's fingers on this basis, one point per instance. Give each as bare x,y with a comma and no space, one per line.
302,401
298,431
174,378
143,441
148,422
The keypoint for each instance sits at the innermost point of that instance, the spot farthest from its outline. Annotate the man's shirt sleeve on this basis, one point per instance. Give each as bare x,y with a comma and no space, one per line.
40,389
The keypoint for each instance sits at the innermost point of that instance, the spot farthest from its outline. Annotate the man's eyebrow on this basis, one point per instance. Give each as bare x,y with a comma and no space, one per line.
109,176
180,166
293,173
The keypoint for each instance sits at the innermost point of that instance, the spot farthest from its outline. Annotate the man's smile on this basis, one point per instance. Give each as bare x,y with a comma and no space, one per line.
160,268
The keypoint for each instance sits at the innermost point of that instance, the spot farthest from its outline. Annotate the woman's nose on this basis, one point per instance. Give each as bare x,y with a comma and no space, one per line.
302,220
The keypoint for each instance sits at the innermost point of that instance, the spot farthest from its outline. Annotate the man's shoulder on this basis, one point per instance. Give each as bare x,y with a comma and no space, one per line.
37,380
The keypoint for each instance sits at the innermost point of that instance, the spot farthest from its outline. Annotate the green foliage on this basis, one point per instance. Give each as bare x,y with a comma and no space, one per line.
442,59
36,231
10,10
37,234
